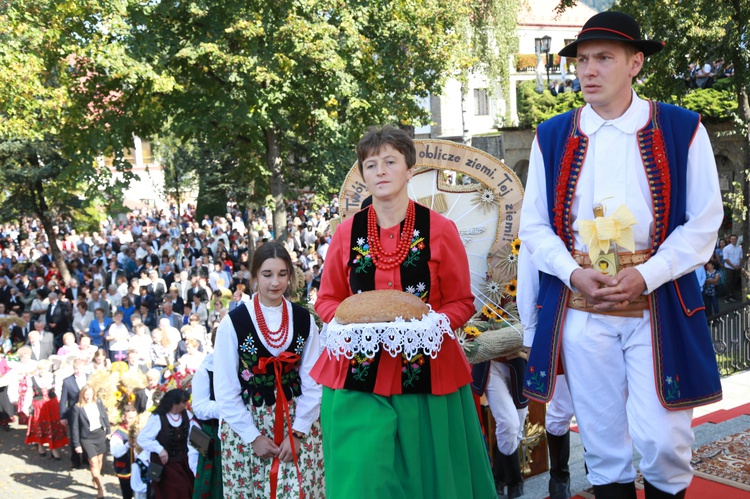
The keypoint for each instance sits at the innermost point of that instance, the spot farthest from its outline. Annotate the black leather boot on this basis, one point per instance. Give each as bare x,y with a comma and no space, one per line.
559,473
498,472
512,471
654,493
615,491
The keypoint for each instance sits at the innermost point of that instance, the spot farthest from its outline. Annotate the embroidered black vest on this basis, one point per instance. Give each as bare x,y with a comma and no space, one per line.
260,386
174,439
415,279
123,463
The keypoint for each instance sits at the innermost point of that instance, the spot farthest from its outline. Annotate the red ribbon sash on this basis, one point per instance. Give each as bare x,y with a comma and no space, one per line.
282,414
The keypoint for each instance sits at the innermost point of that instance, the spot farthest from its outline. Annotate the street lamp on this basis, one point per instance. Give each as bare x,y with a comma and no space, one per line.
542,45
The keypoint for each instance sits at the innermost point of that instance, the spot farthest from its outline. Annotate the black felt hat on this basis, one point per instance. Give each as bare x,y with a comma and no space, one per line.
615,26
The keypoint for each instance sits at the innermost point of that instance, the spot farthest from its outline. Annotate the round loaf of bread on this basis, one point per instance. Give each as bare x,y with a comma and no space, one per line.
382,305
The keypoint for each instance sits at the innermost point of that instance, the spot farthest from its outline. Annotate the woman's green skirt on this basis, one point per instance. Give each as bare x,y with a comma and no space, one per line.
208,484
404,446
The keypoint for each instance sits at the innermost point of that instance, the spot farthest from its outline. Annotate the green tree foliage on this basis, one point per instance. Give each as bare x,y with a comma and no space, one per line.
288,86
712,103
62,80
534,108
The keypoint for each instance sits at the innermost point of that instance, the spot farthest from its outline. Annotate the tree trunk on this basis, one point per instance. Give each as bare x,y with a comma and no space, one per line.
743,108
276,186
42,211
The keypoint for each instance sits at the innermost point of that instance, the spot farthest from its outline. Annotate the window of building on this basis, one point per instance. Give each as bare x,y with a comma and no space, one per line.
481,102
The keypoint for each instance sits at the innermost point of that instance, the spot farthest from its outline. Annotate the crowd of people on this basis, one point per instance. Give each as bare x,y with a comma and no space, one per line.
705,75
147,291
721,276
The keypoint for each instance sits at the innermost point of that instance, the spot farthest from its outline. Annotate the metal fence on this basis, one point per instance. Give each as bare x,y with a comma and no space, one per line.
730,331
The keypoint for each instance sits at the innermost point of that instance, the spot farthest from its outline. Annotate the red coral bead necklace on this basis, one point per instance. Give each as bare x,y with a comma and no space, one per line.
275,339
386,260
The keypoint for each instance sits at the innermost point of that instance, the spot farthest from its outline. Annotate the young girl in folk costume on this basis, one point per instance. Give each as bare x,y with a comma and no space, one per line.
269,405
122,447
165,436
208,481
44,422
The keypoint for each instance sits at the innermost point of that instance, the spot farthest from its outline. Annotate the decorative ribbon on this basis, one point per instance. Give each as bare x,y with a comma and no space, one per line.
599,232
282,415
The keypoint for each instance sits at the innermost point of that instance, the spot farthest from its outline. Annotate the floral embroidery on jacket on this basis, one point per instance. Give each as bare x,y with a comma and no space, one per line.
415,249
537,379
363,260
673,387
420,291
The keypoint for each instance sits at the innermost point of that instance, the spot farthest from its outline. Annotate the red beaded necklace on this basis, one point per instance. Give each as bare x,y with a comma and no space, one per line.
275,339
382,259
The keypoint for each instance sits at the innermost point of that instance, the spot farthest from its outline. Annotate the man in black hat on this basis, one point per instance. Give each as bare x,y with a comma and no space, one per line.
628,186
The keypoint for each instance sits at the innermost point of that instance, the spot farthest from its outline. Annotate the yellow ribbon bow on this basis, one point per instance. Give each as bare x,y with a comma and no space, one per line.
616,228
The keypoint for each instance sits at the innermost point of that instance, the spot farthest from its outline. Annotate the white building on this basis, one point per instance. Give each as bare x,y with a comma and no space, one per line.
146,189
484,113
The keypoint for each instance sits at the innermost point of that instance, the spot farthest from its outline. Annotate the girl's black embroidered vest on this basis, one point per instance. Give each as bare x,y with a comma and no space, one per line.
124,462
415,279
256,386
174,439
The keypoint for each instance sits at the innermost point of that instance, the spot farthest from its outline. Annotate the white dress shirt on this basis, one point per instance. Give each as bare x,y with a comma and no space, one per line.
118,447
733,254
92,413
613,174
226,364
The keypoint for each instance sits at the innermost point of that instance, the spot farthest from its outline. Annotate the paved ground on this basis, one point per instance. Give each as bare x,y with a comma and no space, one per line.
25,474
736,393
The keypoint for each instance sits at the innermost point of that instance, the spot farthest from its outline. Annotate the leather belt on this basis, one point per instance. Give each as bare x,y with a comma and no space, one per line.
635,308
625,259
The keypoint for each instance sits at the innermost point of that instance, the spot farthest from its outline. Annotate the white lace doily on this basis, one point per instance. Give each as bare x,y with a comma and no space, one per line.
400,336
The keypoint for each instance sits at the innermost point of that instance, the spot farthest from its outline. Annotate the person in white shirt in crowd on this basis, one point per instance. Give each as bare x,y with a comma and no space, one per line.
141,343
86,350
118,338
113,298
190,362
82,318
733,267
